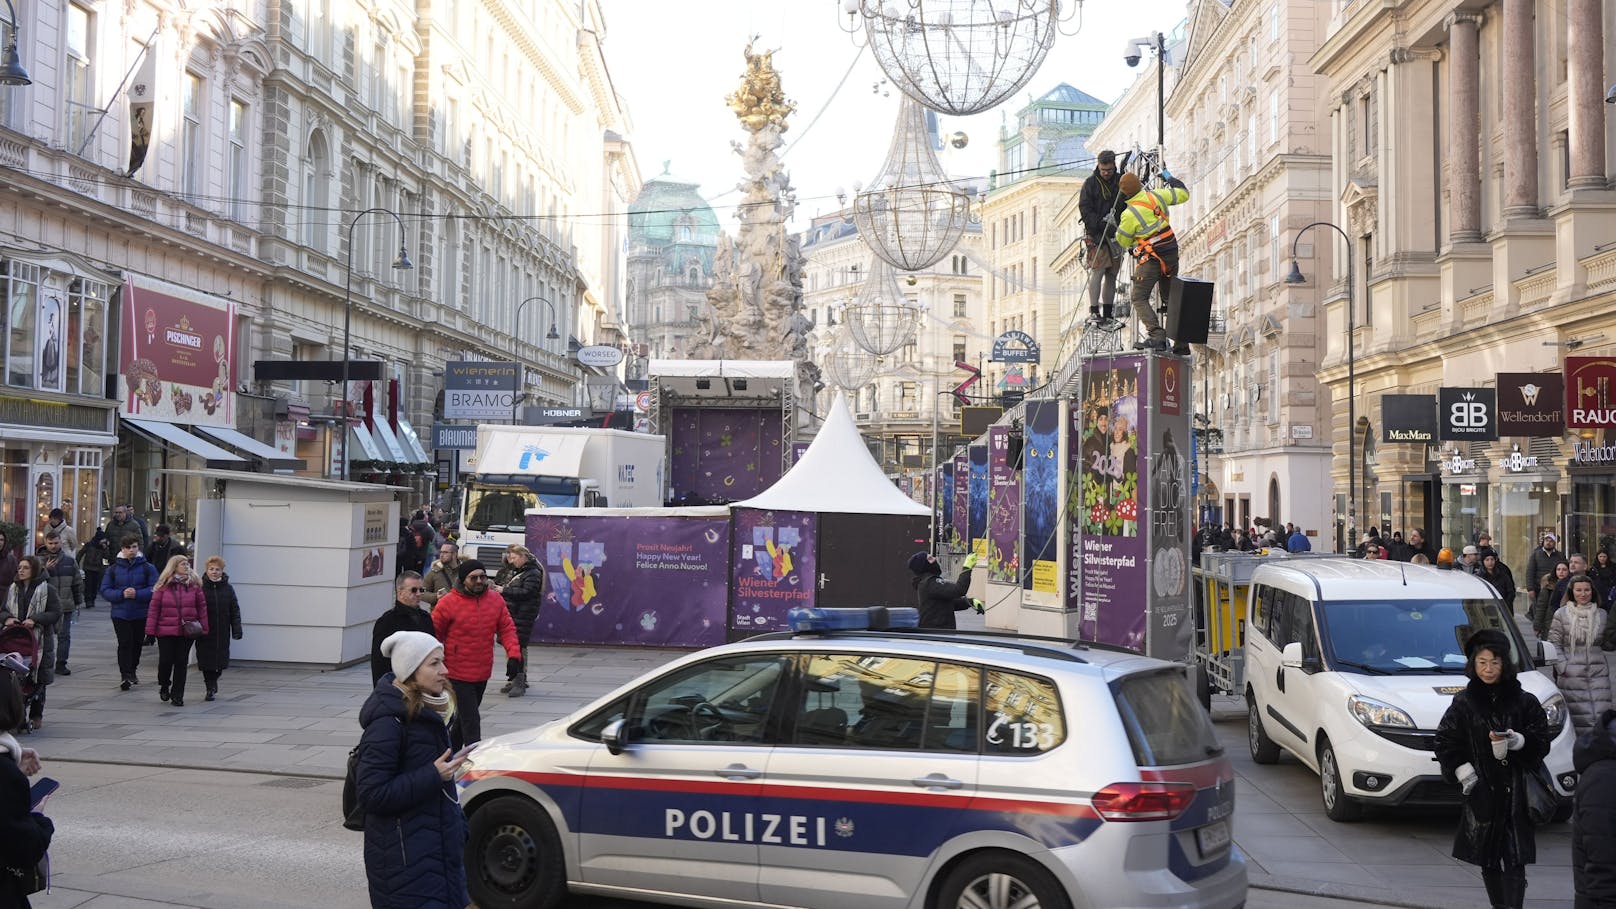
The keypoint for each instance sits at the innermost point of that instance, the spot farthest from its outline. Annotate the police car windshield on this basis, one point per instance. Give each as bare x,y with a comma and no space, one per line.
1408,636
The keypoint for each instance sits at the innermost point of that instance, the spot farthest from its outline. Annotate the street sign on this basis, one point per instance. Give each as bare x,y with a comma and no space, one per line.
642,402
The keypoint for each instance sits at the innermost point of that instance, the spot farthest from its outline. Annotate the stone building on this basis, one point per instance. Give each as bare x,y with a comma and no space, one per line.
672,237
1246,142
1042,164
283,137
1471,165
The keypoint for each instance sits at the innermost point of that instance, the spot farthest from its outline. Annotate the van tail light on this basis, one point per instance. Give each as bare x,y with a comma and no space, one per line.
1151,801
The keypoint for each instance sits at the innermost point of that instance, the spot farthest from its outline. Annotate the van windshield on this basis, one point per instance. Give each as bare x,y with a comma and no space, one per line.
1409,636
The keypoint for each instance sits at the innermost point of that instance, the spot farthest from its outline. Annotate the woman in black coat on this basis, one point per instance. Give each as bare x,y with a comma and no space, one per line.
224,624
1493,733
1593,822
523,589
415,830
1603,573
24,834
1493,572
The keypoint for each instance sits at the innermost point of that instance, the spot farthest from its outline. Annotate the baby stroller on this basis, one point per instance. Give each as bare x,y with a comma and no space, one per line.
19,655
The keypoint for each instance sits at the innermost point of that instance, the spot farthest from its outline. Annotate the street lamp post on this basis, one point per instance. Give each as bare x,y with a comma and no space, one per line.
550,335
402,263
1295,277
1130,55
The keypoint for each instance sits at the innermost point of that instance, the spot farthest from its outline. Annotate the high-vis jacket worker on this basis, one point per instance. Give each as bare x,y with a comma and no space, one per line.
1147,232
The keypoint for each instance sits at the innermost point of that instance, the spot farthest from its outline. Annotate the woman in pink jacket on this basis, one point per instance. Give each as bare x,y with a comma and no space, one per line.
176,600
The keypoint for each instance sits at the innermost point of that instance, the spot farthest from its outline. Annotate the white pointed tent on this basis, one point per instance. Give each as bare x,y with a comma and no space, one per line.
836,475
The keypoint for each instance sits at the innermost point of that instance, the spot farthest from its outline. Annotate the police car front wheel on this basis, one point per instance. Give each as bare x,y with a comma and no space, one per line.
1000,880
514,857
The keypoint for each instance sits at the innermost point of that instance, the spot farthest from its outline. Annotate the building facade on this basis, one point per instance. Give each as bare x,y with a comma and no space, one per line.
672,238
1471,164
1245,142
257,173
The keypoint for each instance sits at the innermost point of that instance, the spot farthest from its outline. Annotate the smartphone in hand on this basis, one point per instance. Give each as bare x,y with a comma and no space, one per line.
41,790
462,754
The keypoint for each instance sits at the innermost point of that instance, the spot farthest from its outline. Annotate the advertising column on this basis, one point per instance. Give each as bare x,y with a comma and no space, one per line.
1041,502
1112,571
1004,510
1170,634
977,529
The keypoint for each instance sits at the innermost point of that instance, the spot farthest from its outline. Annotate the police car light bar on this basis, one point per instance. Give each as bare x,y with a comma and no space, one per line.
870,618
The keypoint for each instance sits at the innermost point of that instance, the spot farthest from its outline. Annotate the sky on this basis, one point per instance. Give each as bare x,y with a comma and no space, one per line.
673,61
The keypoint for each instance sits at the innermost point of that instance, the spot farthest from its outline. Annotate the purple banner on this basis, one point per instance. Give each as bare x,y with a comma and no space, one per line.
1114,575
774,567
797,449
723,455
962,501
1041,495
1004,509
653,581
977,529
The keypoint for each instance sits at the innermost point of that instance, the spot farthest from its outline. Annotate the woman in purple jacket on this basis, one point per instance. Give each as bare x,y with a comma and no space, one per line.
176,599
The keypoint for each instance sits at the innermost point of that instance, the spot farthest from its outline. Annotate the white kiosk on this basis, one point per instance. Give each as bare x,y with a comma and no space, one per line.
311,560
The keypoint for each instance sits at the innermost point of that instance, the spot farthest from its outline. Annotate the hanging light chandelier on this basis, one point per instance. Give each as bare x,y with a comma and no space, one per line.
847,365
910,215
881,320
957,56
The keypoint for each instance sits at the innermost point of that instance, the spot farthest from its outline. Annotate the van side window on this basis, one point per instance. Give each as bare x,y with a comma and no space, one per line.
1296,615
1261,598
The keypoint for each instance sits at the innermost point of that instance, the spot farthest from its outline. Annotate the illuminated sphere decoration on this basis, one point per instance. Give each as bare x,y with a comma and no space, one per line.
958,57
911,215
849,366
881,320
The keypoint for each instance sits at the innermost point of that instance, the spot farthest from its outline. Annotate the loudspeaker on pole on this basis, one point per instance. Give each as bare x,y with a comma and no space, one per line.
1189,311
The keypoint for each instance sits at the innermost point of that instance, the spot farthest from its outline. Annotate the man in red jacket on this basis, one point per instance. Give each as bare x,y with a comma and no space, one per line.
466,620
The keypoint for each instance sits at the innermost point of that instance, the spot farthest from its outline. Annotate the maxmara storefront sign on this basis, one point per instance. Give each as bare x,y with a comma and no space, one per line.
1584,453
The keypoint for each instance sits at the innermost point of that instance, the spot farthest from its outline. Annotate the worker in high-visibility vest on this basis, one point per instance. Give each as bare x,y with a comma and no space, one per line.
1145,230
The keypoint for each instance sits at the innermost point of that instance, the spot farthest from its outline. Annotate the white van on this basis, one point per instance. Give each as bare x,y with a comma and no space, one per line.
1351,664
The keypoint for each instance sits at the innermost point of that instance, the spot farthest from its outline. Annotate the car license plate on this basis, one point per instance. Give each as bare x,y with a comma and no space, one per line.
1213,837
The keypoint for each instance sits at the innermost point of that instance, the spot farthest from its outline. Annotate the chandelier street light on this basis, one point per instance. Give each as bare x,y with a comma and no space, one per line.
957,57
1295,277
848,366
402,263
551,335
911,215
11,71
881,320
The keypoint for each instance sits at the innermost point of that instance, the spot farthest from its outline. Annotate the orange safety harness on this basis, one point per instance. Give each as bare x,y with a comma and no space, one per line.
1145,247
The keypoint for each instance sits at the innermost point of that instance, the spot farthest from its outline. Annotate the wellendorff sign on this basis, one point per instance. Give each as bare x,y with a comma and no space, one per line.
1589,453
1408,418
1590,392
1531,404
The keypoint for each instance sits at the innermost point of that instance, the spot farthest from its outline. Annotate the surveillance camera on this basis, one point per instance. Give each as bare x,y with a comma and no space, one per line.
1131,57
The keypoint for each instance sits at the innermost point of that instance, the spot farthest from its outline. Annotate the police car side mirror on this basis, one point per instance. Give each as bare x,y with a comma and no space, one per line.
612,737
1547,652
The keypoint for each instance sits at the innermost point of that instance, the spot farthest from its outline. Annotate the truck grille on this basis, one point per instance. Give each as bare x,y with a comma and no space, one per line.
1417,739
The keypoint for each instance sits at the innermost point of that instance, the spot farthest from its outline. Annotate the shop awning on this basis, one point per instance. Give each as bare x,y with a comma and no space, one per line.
391,450
407,435
174,436
363,444
252,448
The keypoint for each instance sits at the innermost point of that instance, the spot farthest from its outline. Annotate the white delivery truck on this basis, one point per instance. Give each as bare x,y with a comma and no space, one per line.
520,467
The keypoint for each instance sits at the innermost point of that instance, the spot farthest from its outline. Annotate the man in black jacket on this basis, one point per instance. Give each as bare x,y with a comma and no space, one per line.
1100,203
939,599
406,615
1593,820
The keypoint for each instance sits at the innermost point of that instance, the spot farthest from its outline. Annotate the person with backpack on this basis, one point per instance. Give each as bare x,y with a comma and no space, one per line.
404,773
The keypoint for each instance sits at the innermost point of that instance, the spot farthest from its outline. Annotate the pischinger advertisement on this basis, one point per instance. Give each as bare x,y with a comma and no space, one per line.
774,567
654,581
1004,509
1041,497
177,347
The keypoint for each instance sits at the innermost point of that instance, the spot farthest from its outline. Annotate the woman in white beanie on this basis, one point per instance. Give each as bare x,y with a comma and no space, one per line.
415,831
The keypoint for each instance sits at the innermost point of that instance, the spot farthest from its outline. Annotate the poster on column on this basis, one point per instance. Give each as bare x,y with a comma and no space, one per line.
1170,634
962,501
976,534
1041,497
652,581
1113,573
773,567
943,507
1004,509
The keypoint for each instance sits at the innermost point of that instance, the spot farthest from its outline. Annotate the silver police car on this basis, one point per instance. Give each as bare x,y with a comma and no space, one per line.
892,769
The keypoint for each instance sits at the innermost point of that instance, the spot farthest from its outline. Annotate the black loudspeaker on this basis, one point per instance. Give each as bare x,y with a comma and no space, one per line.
1189,311
1015,443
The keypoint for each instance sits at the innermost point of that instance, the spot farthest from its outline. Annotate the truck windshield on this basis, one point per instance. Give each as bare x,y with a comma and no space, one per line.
1410,636
503,507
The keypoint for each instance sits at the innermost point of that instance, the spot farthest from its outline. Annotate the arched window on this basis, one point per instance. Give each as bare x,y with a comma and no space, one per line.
1273,501
316,193
449,269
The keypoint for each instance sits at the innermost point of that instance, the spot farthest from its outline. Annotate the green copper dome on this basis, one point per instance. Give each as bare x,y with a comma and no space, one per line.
669,210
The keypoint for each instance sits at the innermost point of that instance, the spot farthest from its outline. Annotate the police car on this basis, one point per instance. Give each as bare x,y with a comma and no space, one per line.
844,766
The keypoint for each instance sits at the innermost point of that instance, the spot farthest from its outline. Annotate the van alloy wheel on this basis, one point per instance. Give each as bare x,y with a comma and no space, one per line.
1337,804
1263,749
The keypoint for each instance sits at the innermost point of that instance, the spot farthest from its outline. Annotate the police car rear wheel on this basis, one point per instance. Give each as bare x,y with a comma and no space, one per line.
1000,880
513,856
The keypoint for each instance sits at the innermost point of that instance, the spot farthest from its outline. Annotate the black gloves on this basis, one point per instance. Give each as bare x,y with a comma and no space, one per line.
236,634
150,640
513,668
